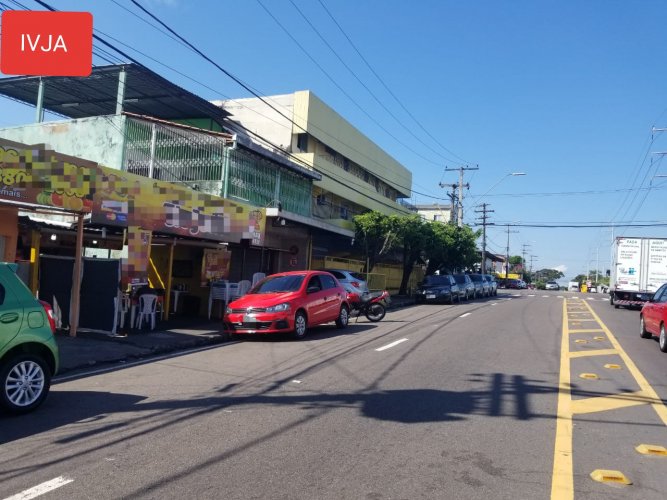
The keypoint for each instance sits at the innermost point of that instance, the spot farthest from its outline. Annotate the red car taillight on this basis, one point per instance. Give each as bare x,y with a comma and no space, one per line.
355,284
49,314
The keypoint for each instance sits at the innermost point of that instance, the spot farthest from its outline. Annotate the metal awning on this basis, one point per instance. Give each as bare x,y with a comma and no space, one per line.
146,93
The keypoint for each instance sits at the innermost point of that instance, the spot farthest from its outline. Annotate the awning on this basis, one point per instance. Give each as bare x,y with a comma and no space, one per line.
146,93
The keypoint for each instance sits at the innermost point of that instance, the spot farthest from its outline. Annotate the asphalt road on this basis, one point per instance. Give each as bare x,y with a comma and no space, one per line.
435,402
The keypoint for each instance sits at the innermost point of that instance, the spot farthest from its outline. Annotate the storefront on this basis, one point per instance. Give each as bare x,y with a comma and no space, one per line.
165,235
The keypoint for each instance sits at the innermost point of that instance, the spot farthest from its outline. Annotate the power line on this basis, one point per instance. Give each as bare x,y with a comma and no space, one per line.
368,65
287,153
255,92
337,85
356,77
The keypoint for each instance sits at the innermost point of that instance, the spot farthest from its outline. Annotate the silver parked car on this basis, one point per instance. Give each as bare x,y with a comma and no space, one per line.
351,280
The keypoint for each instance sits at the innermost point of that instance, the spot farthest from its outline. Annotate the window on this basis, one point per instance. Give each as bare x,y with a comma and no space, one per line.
2,295
302,142
327,282
661,295
343,213
437,218
314,284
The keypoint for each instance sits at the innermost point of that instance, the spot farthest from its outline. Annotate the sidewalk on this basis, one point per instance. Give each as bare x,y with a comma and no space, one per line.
88,349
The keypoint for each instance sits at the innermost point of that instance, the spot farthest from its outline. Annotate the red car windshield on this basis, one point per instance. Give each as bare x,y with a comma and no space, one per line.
277,284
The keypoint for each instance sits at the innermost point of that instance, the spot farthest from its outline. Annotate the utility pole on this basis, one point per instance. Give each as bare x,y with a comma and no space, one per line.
507,262
523,258
453,198
531,262
461,186
484,218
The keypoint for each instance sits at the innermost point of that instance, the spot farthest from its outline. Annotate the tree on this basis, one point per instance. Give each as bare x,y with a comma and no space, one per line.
414,235
375,236
548,275
453,248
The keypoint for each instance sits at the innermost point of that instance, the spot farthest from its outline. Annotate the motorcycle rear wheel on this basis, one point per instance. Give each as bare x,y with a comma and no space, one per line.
375,312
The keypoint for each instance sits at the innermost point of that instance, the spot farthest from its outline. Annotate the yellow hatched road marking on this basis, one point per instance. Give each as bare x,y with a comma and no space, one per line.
645,387
605,403
596,352
562,481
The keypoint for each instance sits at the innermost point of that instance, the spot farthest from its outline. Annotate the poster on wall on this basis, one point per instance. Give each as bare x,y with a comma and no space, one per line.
135,267
215,265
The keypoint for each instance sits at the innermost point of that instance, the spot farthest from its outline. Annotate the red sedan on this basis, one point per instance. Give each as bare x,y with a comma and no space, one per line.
289,302
653,317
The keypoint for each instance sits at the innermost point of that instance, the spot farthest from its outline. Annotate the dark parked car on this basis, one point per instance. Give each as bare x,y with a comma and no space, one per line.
513,284
438,288
28,349
493,284
466,285
482,288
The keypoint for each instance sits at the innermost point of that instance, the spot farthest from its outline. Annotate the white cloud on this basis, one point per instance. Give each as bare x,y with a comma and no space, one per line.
562,268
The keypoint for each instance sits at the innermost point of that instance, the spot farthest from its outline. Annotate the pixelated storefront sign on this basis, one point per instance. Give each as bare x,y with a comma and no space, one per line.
46,43
33,174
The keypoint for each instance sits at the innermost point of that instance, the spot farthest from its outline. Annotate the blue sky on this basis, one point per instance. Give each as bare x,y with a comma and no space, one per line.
566,91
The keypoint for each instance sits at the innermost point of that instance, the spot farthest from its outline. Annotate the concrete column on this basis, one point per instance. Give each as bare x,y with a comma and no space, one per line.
39,111
120,98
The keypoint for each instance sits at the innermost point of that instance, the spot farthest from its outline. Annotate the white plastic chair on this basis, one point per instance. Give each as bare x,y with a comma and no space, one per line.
123,308
244,286
147,309
257,277
232,292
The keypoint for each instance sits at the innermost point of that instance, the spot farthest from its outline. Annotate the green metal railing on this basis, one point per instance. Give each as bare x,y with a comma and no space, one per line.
197,159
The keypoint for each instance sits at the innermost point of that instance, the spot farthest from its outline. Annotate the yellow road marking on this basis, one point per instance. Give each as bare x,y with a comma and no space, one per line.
645,387
614,402
596,352
562,481
587,330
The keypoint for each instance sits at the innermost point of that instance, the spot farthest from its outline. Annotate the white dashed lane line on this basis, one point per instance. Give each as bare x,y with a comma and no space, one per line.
464,315
388,346
41,489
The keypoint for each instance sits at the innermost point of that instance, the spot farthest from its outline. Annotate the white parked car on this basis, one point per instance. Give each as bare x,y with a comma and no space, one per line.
552,285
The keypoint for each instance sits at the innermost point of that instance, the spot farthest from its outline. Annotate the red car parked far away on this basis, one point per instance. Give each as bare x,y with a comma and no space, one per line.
289,302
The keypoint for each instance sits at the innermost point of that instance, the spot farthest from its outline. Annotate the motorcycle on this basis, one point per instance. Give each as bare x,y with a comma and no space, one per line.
372,305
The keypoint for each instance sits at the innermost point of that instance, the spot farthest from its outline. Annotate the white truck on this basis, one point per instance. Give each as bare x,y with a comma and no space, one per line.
638,268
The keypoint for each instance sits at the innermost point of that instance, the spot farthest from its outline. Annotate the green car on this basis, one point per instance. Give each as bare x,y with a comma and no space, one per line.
28,349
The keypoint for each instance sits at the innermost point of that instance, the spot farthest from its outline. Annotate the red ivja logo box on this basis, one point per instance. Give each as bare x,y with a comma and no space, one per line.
46,43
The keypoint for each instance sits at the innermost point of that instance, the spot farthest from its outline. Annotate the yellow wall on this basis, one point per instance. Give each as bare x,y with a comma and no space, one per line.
329,127
9,229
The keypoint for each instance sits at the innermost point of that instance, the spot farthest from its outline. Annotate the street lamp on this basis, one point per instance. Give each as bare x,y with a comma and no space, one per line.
510,174
658,176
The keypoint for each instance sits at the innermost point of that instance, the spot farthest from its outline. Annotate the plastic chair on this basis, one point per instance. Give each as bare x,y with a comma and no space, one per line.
147,309
232,292
244,286
123,308
257,277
